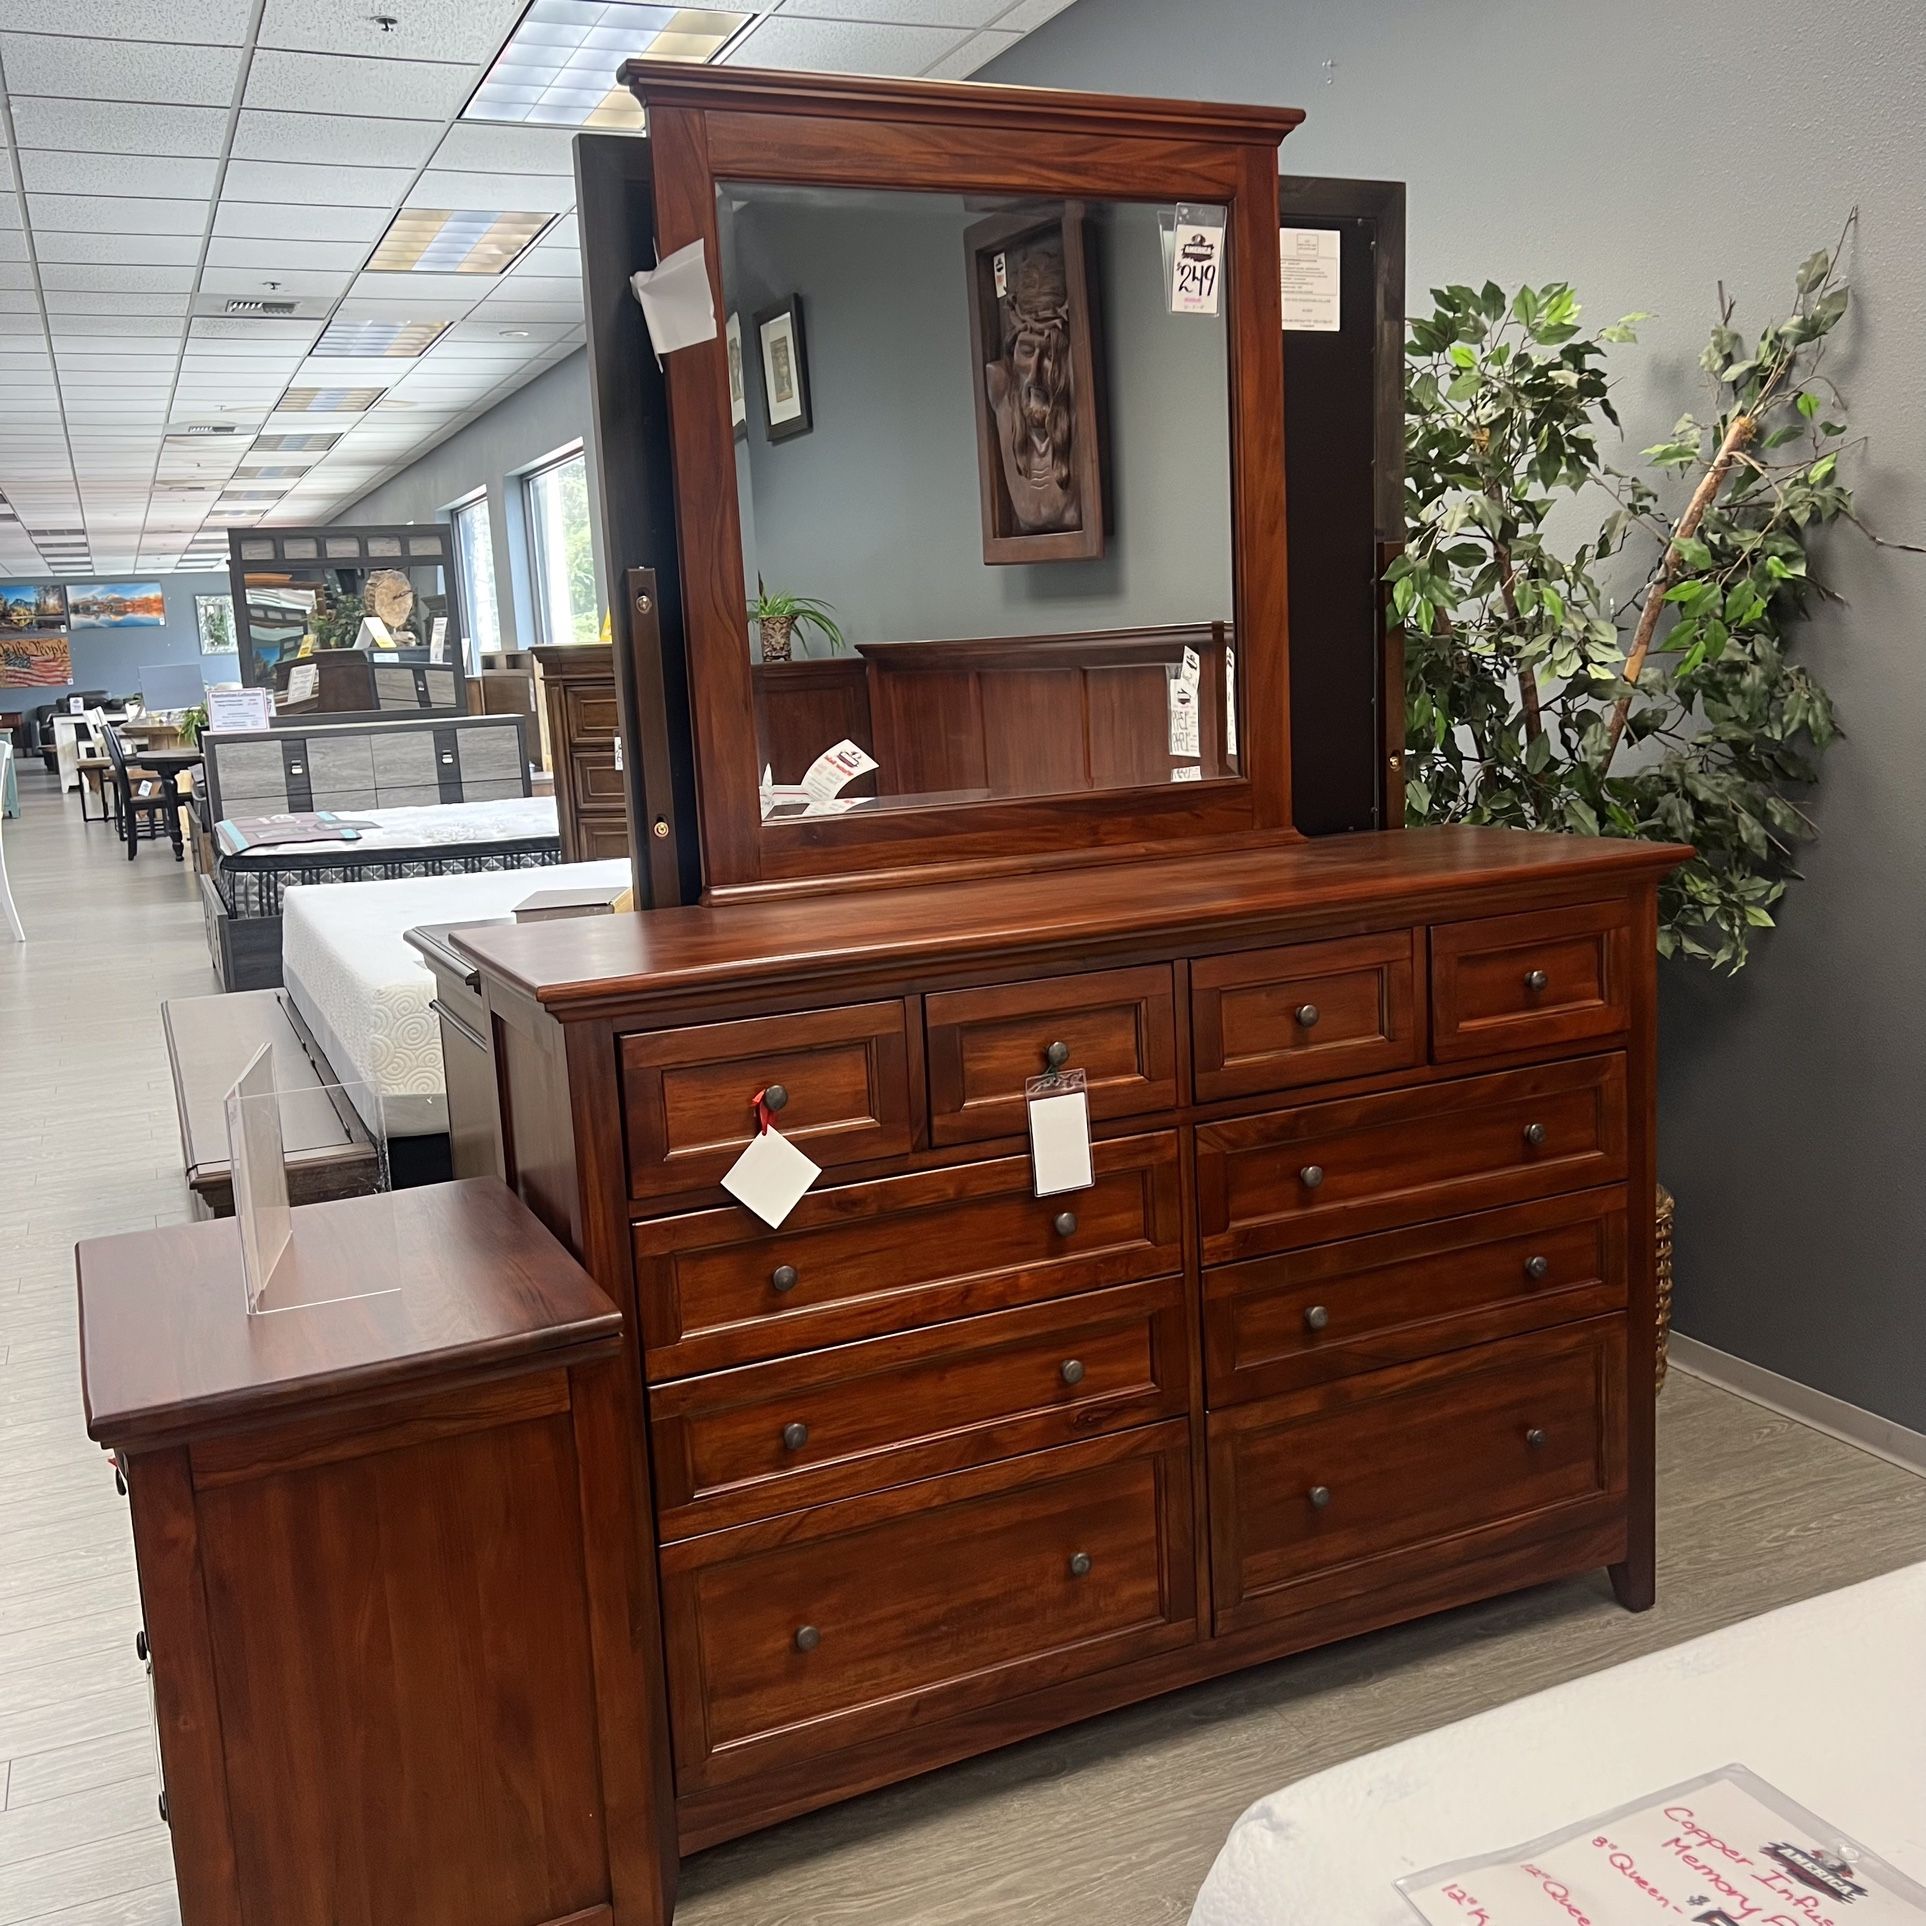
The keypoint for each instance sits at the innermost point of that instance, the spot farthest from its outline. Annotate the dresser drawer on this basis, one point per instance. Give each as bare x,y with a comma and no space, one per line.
590,715
717,1287
793,1638
1526,982
1116,1025
1276,1324
766,1438
1346,1489
595,779
1332,1170
602,836
1305,1013
688,1094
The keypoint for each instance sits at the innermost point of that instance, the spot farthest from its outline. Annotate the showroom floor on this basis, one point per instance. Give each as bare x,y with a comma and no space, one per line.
1115,1820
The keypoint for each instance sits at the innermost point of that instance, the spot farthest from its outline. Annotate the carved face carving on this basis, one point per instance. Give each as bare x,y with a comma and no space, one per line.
1030,388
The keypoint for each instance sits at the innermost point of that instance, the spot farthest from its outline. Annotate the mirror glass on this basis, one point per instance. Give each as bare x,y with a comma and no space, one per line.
983,464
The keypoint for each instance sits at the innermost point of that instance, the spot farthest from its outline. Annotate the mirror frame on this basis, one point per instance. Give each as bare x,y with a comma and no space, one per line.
716,124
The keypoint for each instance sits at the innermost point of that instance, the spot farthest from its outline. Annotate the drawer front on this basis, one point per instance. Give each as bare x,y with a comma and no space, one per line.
689,1094
765,1438
1305,1013
1117,1025
589,715
595,779
602,836
718,1288
799,1636
1322,1494
1527,982
1276,1324
1332,1170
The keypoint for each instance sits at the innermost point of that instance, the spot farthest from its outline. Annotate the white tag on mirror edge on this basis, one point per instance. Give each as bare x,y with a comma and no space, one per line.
770,1176
1059,1110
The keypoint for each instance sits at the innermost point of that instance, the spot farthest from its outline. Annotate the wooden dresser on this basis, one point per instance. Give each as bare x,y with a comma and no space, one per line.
578,695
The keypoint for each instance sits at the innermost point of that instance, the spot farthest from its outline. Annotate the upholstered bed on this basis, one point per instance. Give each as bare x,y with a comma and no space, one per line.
1826,1700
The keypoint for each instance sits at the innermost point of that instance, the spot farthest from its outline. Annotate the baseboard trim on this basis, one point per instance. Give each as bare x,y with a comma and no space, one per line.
1849,1423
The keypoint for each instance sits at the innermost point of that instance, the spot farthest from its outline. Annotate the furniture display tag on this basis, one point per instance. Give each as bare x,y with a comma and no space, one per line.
1059,1111
770,1176
676,300
834,770
1308,266
239,709
1196,260
303,680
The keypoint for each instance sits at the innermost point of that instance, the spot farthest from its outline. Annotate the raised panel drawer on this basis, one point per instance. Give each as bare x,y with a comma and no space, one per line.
718,1288
764,1438
1360,1164
1117,1027
590,715
1305,1013
1277,1324
596,779
1344,1489
602,836
689,1094
796,1637
1527,982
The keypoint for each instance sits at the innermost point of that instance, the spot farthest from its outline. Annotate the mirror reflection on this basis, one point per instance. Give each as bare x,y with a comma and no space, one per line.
983,465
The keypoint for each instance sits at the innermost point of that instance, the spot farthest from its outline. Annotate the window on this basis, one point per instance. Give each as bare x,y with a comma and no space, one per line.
475,559
558,538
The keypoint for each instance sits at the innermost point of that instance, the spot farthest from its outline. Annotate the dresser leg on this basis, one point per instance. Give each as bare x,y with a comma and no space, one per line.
1635,1581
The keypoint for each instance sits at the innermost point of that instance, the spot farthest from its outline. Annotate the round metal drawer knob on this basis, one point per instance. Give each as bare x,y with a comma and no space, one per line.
1307,1015
1319,1495
783,1277
1316,1318
1079,1564
807,1638
1064,1223
1535,979
1536,1267
775,1096
1057,1055
1535,1438
794,1436
1071,1371
1311,1176
1534,1134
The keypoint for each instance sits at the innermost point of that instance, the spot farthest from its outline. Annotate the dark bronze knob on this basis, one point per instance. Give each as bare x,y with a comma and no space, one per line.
783,1277
1536,1267
162,1802
1534,1134
794,1436
1316,1318
1057,1055
1079,1564
1064,1223
775,1096
1311,1176
140,1646
1071,1371
1535,1438
1307,1014
1319,1495
1535,979
807,1638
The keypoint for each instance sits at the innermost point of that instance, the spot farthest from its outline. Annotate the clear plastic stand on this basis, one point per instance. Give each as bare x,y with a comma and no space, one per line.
298,1256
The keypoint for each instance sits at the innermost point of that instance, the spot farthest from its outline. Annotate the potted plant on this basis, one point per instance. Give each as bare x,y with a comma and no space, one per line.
779,616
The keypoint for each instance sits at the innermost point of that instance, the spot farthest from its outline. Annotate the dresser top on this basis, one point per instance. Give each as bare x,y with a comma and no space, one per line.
167,1348
579,965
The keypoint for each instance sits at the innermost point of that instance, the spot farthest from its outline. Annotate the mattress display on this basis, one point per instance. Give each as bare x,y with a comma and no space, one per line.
442,839
366,997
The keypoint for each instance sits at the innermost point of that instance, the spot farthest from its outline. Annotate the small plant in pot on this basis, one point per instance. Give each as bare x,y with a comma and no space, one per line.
778,617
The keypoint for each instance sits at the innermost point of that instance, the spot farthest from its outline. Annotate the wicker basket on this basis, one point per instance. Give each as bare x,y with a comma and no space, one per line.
1667,1208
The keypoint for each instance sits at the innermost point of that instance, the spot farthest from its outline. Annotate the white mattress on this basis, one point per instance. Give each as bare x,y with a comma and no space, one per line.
1825,1700
433,826
365,995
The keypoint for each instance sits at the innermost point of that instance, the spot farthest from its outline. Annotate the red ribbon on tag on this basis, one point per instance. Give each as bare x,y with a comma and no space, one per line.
759,1103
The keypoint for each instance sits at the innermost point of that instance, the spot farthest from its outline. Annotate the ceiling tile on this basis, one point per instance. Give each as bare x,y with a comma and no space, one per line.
150,249
341,138
227,251
18,300
289,283
407,90
540,194
468,30
150,301
13,245
97,127
120,327
87,277
102,213
162,175
270,220
977,51
1027,15
443,290
253,180
474,148
926,13
65,69
842,46
207,22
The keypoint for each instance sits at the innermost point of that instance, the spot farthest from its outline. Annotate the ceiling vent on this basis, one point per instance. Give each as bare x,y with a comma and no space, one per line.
203,428
260,310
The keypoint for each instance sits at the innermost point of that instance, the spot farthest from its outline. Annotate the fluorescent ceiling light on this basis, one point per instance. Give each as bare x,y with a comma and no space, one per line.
322,401
558,69
455,240
400,339
292,444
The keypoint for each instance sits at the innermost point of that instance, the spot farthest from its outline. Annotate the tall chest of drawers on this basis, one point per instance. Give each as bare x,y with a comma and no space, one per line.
1355,1321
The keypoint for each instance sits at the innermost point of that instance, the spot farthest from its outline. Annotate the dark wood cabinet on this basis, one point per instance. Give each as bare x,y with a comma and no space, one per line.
579,702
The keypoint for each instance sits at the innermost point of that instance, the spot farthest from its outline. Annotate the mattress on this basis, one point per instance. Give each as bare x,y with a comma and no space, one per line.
441,839
365,995
1825,1700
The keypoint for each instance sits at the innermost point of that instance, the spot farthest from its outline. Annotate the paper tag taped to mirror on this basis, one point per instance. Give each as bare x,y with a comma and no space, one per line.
1059,1108
770,1176
834,769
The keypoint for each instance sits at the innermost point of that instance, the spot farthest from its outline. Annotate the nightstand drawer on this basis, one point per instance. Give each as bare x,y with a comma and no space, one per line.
1524,982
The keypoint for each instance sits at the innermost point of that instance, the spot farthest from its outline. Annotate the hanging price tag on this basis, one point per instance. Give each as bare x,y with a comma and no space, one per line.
1059,1107
1197,260
771,1175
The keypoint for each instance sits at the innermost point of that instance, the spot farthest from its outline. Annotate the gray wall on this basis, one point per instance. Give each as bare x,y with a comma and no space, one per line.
112,659
517,434
1643,152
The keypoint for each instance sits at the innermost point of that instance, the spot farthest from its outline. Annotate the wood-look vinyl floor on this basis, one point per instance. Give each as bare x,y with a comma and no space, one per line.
1112,1822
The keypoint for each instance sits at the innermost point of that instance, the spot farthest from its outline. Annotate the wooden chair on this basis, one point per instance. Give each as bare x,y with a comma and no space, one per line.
8,914
150,805
94,765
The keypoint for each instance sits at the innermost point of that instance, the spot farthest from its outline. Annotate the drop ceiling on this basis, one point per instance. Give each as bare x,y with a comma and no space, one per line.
161,159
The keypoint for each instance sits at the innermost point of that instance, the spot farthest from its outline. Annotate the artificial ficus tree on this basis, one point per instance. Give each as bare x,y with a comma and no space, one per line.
1537,697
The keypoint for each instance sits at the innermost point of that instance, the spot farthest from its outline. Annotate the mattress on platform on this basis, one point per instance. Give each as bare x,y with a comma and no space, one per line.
366,997
1825,1700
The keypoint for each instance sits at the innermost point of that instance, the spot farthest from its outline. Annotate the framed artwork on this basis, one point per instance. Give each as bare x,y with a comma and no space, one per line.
1039,408
34,661
37,606
117,605
214,624
785,370
738,392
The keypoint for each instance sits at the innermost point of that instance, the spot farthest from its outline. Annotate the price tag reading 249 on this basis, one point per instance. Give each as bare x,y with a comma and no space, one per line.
1197,264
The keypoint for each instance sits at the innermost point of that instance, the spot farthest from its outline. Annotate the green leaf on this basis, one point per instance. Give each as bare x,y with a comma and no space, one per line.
1808,403
1813,270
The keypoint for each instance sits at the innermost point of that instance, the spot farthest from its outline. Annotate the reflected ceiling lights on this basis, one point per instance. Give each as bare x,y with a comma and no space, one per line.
400,340
454,240
323,401
558,69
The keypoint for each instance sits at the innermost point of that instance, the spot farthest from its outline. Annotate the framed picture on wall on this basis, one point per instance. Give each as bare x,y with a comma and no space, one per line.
214,623
785,370
117,605
738,391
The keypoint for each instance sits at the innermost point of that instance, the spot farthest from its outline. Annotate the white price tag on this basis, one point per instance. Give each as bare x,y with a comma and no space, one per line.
1230,702
618,755
1002,277
834,770
438,640
76,705
1187,772
1185,738
239,709
1197,267
1308,263
770,1176
1059,1110
303,680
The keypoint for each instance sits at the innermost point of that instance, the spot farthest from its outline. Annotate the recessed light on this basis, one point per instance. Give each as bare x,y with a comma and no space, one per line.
514,334
456,240
325,401
400,340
